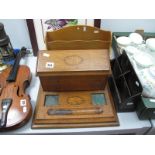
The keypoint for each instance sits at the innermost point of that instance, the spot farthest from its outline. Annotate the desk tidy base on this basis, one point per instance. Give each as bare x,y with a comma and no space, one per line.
74,109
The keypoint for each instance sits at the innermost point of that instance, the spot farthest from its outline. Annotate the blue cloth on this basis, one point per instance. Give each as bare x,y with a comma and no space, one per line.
11,62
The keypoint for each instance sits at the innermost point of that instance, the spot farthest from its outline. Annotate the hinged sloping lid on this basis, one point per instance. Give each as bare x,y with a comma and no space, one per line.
95,61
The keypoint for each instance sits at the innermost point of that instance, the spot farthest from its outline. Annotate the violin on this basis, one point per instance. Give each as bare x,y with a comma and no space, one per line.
15,106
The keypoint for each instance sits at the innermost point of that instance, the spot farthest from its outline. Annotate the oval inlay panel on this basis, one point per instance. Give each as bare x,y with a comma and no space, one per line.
73,60
75,100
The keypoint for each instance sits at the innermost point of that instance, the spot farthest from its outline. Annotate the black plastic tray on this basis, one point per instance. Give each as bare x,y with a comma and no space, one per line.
121,67
125,86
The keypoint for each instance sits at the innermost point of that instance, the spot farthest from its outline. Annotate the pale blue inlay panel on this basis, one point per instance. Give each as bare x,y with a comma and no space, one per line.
51,100
98,99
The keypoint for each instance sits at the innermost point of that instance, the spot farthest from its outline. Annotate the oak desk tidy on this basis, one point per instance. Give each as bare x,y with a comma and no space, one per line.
73,72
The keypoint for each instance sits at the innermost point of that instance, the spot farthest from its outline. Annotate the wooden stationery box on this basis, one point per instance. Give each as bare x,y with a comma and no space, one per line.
69,70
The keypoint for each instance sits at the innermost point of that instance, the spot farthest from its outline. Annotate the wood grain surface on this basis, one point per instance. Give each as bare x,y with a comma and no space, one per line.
78,37
73,69
16,91
42,119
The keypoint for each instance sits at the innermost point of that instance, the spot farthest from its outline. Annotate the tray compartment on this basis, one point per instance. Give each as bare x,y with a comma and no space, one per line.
115,68
124,63
123,102
122,88
133,83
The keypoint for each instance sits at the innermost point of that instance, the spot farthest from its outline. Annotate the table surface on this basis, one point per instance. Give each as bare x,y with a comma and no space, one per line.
129,122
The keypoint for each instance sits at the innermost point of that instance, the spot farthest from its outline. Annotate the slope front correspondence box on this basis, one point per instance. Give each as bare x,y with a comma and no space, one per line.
70,70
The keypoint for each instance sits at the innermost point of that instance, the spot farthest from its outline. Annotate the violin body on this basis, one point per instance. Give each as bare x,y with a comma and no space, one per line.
12,94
